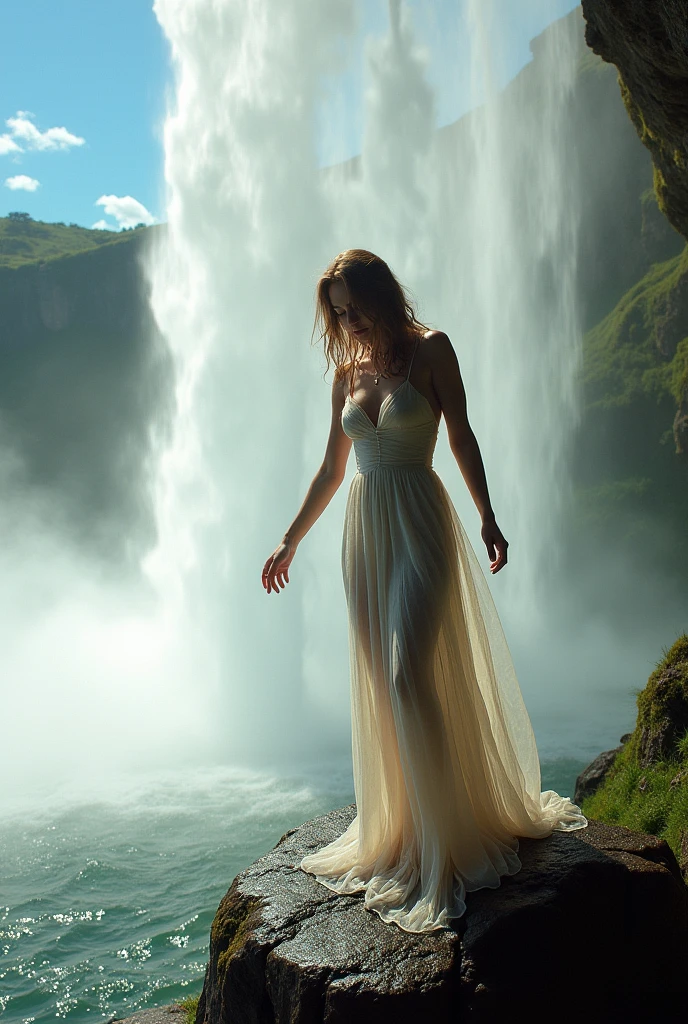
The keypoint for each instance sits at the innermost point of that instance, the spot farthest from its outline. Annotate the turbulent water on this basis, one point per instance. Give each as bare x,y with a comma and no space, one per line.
106,904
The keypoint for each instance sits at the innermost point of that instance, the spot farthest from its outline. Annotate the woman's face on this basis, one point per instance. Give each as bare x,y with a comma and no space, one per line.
353,321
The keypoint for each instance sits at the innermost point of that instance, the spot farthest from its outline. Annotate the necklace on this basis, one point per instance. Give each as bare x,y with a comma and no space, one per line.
377,375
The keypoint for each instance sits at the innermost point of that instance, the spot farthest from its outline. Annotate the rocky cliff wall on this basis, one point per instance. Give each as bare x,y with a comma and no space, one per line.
648,43
86,380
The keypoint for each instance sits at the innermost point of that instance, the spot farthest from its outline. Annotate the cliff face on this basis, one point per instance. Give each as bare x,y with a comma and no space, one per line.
648,43
622,232
628,457
86,377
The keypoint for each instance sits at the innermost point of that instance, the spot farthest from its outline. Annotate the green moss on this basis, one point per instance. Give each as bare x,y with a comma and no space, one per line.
635,113
231,926
624,357
678,381
651,798
665,698
189,1005
663,152
630,487
660,187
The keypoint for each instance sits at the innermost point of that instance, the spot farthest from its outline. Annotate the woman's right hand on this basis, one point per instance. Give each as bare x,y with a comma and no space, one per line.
276,569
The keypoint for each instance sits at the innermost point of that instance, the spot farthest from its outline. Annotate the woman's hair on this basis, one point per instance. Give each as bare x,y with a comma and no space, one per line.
375,291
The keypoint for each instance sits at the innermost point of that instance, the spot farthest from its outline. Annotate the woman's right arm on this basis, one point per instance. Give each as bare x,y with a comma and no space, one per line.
321,491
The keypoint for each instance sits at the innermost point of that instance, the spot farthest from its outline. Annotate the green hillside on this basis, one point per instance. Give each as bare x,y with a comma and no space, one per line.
24,240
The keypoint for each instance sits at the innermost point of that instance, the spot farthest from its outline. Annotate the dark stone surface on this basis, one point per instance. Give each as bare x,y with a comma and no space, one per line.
592,777
596,919
648,43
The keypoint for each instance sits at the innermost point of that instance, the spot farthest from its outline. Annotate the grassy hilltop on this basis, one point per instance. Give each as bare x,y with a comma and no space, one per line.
24,240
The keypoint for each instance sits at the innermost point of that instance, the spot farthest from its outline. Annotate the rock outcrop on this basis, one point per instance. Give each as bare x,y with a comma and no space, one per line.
648,43
592,777
662,725
596,919
644,785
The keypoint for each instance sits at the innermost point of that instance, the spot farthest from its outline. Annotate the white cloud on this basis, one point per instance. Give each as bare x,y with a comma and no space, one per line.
127,211
22,181
8,145
24,135
102,225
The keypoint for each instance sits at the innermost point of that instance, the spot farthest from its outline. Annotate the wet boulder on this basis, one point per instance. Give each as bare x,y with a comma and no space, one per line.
597,919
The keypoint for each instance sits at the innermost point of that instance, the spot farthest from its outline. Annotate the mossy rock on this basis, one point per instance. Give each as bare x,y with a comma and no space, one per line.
230,928
663,708
646,788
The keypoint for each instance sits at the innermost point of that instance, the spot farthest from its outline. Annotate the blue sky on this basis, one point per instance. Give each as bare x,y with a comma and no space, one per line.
83,90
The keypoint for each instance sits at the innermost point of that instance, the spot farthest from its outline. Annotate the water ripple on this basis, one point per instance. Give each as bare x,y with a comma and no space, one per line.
106,905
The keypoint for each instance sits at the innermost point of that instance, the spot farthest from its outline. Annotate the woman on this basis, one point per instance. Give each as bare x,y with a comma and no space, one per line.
446,771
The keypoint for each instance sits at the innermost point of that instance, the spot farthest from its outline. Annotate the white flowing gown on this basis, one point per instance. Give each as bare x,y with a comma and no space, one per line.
446,769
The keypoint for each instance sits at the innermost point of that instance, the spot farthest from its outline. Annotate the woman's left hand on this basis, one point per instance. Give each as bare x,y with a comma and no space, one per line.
496,544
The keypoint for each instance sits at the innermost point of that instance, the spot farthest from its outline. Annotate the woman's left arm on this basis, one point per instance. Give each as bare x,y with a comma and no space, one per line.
448,386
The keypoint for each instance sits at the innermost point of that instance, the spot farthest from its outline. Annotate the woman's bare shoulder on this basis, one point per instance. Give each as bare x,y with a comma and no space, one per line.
435,339
437,349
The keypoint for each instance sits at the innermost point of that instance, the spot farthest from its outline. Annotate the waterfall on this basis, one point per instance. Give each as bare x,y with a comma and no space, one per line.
478,220
521,333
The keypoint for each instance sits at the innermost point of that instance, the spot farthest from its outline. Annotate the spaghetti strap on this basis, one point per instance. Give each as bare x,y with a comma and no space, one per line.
412,355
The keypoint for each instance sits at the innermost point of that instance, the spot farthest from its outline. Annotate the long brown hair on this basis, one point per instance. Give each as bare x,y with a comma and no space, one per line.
377,293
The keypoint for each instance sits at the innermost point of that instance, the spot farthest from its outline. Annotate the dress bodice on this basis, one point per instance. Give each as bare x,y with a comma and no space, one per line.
405,435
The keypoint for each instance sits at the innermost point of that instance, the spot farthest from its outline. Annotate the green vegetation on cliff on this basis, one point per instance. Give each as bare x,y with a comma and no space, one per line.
640,350
647,786
24,240
631,484
189,1006
635,351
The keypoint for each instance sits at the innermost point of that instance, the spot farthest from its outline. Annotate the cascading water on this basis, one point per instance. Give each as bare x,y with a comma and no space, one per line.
521,333
232,291
481,227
